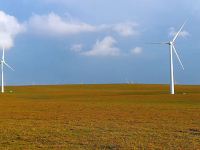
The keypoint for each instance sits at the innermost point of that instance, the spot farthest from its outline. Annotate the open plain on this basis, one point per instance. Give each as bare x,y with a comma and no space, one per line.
121,116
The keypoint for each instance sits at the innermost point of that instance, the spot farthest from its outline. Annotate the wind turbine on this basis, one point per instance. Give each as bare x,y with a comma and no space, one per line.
171,50
2,69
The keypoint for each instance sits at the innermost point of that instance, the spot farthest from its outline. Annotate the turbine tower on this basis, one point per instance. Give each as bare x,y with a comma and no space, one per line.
2,71
171,50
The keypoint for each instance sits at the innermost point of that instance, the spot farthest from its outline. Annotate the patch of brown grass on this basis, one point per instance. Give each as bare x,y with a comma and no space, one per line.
100,117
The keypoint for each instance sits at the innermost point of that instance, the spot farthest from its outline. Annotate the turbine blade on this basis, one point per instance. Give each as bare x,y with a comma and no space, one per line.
177,34
178,57
8,66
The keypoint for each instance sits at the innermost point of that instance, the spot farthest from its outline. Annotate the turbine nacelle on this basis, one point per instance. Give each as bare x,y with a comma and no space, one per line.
171,43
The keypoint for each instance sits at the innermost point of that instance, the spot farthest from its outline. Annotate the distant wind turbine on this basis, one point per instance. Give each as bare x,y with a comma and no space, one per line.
2,69
173,49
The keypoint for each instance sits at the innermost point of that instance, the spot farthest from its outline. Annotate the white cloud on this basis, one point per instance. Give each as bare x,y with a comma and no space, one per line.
9,28
126,29
173,32
77,48
104,48
137,50
53,24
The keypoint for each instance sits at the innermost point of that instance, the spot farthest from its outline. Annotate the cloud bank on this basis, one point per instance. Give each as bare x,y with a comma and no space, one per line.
9,29
55,25
126,29
106,47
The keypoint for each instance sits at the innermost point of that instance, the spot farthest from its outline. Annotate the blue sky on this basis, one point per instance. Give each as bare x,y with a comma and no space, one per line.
97,41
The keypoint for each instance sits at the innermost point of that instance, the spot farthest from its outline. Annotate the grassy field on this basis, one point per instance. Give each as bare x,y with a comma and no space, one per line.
100,117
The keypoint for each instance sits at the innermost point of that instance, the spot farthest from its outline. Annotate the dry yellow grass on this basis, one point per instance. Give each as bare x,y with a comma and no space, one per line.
100,117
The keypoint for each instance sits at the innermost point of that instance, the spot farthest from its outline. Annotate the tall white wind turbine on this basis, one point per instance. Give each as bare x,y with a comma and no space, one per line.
171,50
3,62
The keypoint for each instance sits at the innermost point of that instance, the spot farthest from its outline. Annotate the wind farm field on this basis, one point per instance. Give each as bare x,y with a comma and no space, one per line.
121,116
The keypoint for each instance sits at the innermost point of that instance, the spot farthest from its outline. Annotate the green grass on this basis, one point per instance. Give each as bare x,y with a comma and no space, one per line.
100,117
